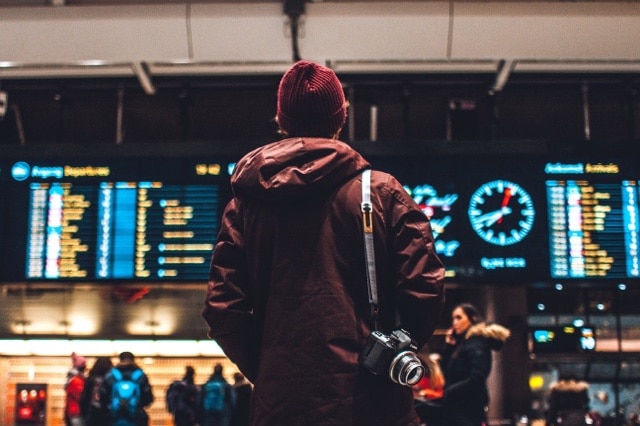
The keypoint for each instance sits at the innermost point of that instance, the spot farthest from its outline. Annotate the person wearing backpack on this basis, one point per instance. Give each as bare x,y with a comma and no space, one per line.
182,399
126,392
217,400
93,413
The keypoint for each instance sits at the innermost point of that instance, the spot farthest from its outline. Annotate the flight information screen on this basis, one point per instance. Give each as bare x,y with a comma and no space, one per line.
496,219
106,221
593,222
533,219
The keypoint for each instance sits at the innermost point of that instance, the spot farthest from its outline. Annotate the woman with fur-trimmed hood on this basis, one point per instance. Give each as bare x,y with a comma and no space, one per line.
467,364
568,402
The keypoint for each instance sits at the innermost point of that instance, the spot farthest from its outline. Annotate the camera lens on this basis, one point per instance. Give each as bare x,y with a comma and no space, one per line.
412,374
406,369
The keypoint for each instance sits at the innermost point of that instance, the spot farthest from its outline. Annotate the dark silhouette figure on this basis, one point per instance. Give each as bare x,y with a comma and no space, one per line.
93,412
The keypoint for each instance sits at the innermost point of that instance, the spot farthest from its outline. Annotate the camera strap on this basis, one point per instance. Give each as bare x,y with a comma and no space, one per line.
370,261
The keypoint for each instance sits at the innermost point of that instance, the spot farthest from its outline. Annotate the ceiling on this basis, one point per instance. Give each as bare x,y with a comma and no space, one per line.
34,3
21,3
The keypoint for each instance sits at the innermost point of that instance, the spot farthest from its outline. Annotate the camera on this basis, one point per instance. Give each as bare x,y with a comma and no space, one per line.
392,355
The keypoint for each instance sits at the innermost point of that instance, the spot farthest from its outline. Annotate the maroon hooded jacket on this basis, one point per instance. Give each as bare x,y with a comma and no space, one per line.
287,295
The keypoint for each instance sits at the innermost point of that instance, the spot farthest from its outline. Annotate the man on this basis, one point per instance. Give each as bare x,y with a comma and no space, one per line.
288,296
182,399
217,399
568,402
244,390
126,393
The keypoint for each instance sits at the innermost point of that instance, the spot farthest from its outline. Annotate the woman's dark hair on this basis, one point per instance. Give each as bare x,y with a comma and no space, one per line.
471,312
101,367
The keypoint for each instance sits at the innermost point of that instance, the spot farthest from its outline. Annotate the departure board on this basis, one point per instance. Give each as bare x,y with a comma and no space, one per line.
495,219
594,228
120,230
83,223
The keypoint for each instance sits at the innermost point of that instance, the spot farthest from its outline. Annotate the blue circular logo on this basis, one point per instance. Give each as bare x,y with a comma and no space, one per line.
20,171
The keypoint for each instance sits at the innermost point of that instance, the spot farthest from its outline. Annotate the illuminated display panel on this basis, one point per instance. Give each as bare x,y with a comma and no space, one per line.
497,219
488,215
593,221
528,219
567,339
105,221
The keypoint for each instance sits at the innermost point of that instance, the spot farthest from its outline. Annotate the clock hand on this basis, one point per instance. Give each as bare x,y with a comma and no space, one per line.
489,218
493,217
505,200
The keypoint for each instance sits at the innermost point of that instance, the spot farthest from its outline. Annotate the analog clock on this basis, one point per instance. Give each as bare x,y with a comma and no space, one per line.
501,212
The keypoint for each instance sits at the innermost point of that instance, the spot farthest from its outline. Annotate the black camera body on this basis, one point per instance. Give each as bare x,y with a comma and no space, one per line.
392,355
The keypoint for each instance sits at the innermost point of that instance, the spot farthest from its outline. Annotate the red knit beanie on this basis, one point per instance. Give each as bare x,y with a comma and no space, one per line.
311,101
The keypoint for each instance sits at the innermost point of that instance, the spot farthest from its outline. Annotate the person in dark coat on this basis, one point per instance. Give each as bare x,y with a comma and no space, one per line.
244,391
467,365
287,295
568,402
93,413
186,408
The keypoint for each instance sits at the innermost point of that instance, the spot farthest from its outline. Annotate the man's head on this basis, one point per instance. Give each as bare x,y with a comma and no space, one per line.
311,101
126,357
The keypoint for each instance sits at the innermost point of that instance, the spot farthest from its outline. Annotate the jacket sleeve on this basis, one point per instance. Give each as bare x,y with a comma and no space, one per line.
419,271
477,354
228,309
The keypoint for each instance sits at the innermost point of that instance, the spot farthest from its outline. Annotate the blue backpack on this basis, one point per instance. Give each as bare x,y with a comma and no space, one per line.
214,396
125,394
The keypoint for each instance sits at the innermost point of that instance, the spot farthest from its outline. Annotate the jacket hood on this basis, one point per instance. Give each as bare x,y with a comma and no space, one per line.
294,168
495,334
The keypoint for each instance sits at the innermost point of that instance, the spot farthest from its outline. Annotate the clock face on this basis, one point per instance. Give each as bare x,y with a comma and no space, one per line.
501,212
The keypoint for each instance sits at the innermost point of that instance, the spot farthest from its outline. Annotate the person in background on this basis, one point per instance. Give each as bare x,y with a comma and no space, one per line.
93,413
467,365
217,399
428,391
182,399
568,402
126,406
287,297
73,387
244,390
632,420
